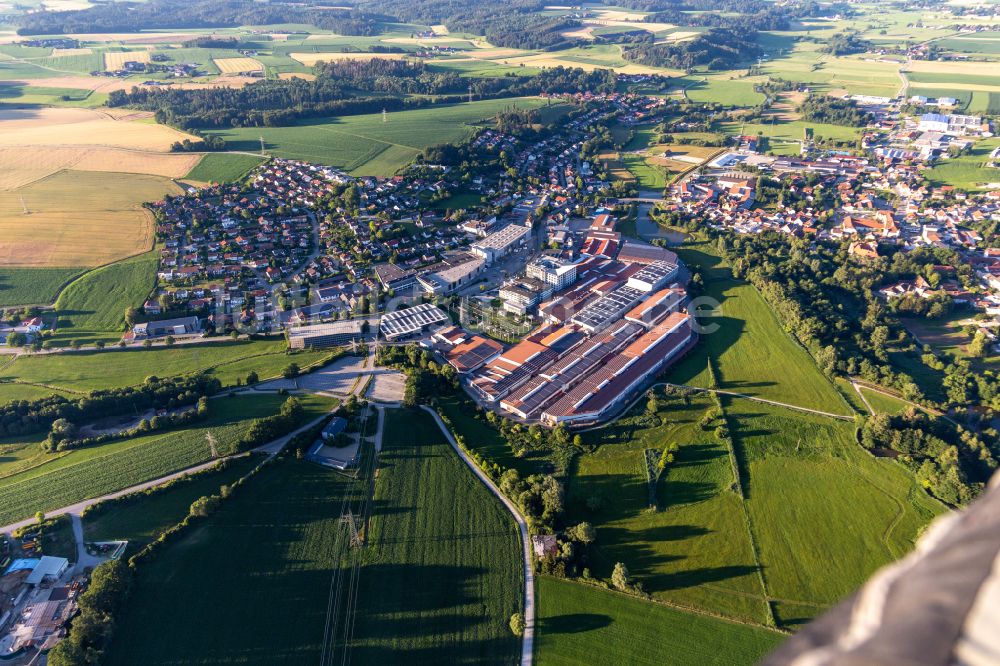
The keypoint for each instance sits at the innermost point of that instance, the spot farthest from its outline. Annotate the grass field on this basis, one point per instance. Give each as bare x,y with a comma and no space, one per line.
222,167
435,585
824,512
695,550
881,402
142,521
10,392
648,176
88,371
29,286
579,624
265,561
364,144
92,307
105,468
751,351
967,172
445,572
78,219
793,130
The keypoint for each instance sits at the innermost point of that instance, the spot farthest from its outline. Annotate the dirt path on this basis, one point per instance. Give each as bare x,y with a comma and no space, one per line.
528,644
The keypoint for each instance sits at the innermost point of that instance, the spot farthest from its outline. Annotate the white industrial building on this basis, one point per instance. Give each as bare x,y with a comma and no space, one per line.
500,243
411,321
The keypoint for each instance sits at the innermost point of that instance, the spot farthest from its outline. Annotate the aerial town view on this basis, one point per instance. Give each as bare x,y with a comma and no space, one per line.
499,333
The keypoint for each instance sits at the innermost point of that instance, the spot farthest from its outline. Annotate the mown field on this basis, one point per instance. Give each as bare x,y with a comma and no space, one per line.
44,481
695,549
263,562
222,168
364,144
92,307
445,573
825,513
30,286
579,624
968,172
78,218
87,371
752,353
142,521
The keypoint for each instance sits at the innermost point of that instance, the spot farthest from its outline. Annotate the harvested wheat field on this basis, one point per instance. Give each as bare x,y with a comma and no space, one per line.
310,59
238,65
297,75
62,53
115,60
78,218
20,165
82,127
489,54
580,33
548,60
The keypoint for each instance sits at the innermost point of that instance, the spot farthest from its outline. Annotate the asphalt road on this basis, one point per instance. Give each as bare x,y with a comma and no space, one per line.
528,644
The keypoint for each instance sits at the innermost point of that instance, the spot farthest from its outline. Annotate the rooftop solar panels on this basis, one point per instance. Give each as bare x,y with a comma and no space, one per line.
602,312
413,320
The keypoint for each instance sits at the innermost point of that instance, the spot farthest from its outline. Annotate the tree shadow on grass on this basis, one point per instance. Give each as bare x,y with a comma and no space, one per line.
574,623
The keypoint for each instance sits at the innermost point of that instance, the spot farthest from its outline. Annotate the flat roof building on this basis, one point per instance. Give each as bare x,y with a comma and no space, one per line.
181,326
654,276
411,321
607,309
559,273
320,336
501,242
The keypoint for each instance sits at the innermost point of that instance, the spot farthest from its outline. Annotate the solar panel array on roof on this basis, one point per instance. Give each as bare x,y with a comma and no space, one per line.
653,276
412,320
531,398
605,310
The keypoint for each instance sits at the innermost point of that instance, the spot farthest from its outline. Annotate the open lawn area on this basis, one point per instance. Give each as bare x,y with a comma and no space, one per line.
434,584
793,130
694,550
143,519
882,402
968,172
248,585
825,513
222,167
444,573
33,286
364,144
752,353
580,624
87,371
58,480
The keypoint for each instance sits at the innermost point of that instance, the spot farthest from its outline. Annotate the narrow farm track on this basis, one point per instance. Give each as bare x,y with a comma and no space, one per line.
271,449
528,643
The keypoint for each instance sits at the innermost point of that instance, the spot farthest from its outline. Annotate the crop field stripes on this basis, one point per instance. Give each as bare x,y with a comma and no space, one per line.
352,536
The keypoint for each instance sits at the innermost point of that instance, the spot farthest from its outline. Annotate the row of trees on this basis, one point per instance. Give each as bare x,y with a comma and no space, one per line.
342,87
22,417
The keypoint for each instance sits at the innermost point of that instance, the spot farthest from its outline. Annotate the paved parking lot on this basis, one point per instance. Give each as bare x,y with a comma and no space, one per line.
387,385
339,377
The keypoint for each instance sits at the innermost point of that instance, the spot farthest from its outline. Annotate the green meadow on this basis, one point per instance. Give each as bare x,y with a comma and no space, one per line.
364,144
580,624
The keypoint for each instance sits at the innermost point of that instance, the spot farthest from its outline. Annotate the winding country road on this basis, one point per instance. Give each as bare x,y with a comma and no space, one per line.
528,644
